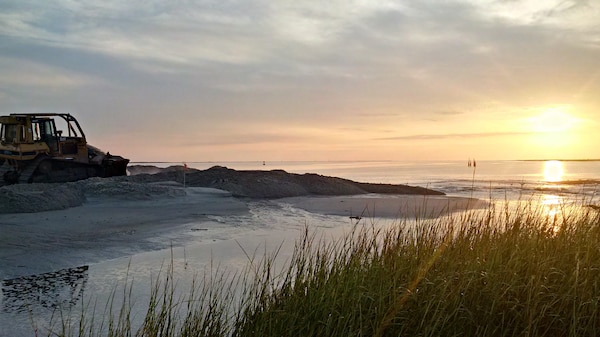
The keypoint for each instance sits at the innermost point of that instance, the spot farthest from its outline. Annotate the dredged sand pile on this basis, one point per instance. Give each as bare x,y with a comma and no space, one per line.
30,198
270,184
148,182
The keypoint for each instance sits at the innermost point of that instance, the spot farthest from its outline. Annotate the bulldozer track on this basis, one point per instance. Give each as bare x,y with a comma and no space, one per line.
28,171
5,167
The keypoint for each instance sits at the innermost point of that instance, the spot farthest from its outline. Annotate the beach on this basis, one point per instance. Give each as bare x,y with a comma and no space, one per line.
114,218
117,229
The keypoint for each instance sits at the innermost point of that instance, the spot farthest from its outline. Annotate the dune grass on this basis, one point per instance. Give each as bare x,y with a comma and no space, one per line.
518,272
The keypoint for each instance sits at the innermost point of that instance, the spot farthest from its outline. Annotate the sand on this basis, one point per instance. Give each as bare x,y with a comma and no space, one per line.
152,183
128,229
47,227
109,224
101,219
60,225
30,198
386,206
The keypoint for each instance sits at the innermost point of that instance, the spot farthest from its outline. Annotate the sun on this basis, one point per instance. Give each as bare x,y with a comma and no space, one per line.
554,120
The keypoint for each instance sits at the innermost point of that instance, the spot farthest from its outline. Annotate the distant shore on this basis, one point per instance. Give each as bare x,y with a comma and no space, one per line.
566,160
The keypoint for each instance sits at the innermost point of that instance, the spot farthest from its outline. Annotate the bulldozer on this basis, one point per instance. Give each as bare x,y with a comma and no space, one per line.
34,150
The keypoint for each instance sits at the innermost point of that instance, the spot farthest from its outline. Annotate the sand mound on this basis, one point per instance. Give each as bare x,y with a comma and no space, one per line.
275,183
126,190
39,197
29,198
168,183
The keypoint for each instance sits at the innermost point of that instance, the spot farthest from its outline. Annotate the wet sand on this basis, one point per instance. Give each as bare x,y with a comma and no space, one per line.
388,206
130,232
109,226
105,227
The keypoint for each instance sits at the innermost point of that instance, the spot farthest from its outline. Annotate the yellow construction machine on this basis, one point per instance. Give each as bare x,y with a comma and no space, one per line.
33,149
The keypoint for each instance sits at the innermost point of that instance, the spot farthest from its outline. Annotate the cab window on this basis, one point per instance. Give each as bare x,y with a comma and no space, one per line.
11,132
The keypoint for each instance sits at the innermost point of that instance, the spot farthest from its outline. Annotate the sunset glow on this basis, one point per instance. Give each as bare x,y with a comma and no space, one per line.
554,120
350,80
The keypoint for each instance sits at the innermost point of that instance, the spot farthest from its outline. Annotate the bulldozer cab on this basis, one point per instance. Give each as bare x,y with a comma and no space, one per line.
68,144
31,134
44,130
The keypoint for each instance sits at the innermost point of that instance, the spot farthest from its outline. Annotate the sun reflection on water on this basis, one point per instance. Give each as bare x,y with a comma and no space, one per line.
552,204
554,209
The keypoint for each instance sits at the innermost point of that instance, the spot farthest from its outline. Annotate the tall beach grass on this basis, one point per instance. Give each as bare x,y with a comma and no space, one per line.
500,272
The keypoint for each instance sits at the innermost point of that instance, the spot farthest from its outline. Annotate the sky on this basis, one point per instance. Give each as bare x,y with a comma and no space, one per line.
233,80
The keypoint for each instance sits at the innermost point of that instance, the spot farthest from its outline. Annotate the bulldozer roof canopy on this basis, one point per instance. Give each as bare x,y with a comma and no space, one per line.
16,117
8,120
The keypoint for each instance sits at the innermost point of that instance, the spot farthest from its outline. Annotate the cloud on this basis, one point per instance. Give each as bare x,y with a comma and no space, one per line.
23,73
336,65
569,14
448,112
159,31
240,139
456,135
352,41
